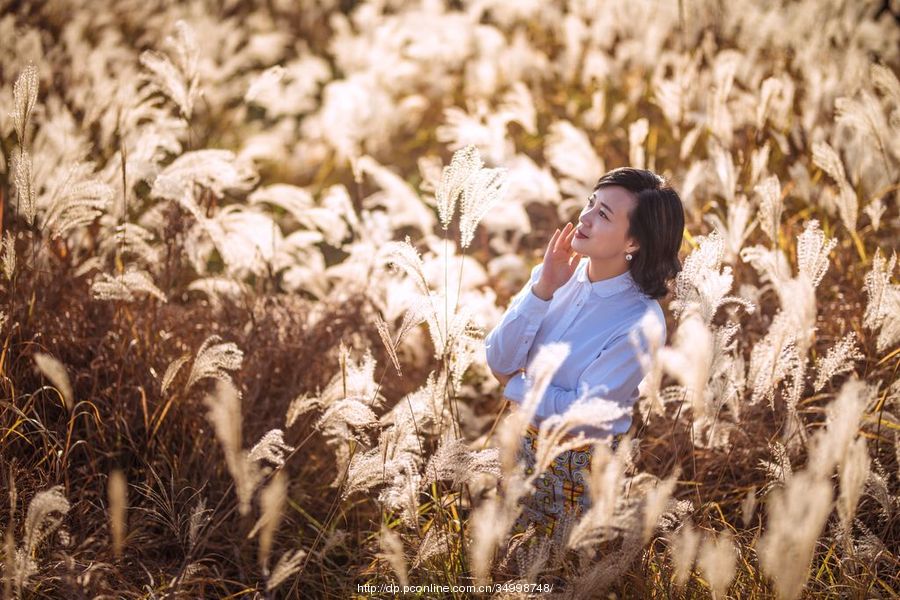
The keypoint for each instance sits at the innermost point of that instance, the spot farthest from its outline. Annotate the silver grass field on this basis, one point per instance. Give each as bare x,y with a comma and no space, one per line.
250,252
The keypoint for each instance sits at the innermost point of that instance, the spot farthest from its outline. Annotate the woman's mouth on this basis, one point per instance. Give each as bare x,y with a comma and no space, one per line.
580,235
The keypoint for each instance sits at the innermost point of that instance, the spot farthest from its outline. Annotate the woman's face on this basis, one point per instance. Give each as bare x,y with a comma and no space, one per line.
604,224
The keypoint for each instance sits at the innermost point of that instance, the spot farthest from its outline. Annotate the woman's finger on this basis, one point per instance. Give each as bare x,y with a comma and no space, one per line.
561,239
569,238
552,243
574,259
565,243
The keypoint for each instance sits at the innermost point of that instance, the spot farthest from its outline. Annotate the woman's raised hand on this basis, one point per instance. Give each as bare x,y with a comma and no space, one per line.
560,262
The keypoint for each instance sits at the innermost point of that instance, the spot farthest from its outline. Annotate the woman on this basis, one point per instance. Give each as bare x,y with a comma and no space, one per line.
595,284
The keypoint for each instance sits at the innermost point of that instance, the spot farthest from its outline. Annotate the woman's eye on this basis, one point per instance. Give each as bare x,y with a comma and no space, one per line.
602,214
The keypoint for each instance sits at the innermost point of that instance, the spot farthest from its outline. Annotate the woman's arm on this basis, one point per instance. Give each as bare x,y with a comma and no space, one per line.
614,375
507,344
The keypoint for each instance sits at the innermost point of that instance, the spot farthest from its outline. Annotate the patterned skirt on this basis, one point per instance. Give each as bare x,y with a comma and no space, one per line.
559,490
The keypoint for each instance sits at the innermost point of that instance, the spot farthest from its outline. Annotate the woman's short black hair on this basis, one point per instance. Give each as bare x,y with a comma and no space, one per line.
656,222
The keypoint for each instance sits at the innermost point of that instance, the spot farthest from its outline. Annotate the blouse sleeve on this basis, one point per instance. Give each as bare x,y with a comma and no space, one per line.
614,375
507,344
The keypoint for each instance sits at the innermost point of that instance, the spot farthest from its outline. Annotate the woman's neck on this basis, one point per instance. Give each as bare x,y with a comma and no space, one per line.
598,270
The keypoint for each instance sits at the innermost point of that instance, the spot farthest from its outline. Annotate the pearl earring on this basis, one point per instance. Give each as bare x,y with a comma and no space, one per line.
628,256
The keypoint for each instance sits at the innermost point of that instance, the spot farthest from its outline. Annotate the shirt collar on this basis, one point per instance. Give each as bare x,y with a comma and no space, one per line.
605,287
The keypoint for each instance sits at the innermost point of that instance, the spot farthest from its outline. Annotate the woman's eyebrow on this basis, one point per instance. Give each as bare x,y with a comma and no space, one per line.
603,204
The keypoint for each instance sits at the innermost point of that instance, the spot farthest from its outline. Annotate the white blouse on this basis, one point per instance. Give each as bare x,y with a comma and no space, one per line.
595,319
